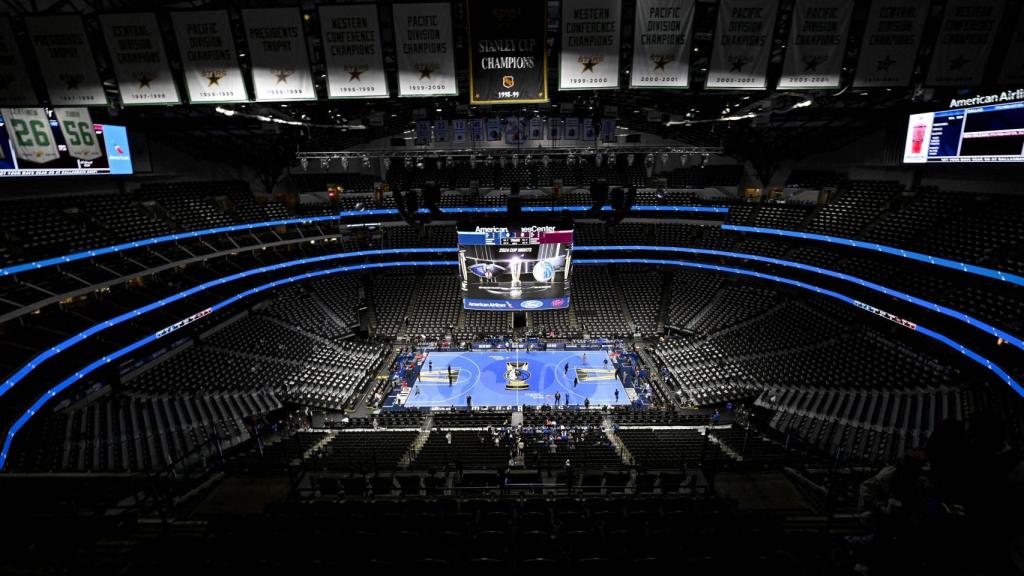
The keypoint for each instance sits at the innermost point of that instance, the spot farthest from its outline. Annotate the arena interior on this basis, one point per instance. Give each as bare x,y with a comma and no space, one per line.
728,286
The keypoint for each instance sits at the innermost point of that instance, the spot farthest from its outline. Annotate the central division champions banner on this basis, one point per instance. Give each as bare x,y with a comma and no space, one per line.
742,48
817,44
143,75
208,57
661,44
961,50
15,87
352,53
891,38
590,44
66,61
508,51
280,67
424,50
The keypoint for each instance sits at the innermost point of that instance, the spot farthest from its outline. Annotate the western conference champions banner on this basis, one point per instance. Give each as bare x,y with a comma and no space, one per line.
661,44
590,44
15,86
208,57
1012,72
65,60
29,132
964,41
424,49
79,135
817,44
352,52
889,47
280,66
742,44
140,63
508,51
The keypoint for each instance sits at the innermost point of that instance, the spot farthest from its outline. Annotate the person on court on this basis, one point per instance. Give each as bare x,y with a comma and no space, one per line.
566,371
586,403
584,357
575,381
605,362
616,394
558,397
430,365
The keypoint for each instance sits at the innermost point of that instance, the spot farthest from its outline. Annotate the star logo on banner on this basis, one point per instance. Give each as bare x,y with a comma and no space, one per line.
144,79
737,64
589,62
282,75
660,61
958,63
884,65
811,63
213,77
354,72
71,81
426,70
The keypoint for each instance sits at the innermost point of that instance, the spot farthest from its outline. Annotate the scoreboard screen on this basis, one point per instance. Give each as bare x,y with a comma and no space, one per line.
60,142
981,134
515,267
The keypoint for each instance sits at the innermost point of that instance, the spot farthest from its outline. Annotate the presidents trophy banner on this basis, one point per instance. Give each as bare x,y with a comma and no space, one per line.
1012,72
742,45
424,49
964,41
208,57
508,51
817,44
280,66
140,63
79,135
590,44
29,132
352,53
15,86
661,44
66,61
891,38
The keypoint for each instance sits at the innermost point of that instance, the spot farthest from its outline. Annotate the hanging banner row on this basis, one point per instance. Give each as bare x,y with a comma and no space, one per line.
507,49
515,129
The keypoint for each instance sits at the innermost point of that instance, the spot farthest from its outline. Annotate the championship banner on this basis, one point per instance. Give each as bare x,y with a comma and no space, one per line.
608,130
28,130
65,60
817,44
352,52
964,41
441,131
208,57
554,129
422,132
508,51
280,66
661,44
493,129
742,45
1012,72
476,130
572,129
79,135
140,63
514,133
590,44
424,50
891,38
458,130
588,134
15,86
536,131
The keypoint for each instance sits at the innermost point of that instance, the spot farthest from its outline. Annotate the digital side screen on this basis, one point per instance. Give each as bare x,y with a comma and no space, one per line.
981,134
37,142
503,267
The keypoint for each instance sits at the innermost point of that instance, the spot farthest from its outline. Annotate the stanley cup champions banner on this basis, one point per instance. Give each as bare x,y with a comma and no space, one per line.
424,49
208,57
352,53
964,41
661,44
508,51
66,61
29,132
140,63
15,87
742,45
889,47
817,44
590,44
1012,72
280,66
79,135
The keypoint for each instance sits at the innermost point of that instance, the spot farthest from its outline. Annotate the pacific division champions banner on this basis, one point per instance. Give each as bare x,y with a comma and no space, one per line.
140,63
963,44
355,64
508,51
817,44
661,44
66,61
891,38
742,46
208,57
15,87
424,49
280,67
590,44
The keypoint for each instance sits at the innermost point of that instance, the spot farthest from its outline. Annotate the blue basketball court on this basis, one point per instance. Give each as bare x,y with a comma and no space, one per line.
501,378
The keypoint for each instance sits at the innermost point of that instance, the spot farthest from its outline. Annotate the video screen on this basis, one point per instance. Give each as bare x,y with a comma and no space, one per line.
60,142
980,134
506,268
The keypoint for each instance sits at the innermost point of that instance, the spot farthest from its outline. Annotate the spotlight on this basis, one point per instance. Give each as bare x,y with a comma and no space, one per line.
545,160
366,161
703,160
344,162
420,162
325,163
386,163
630,158
304,163
664,159
610,160
515,160
472,162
